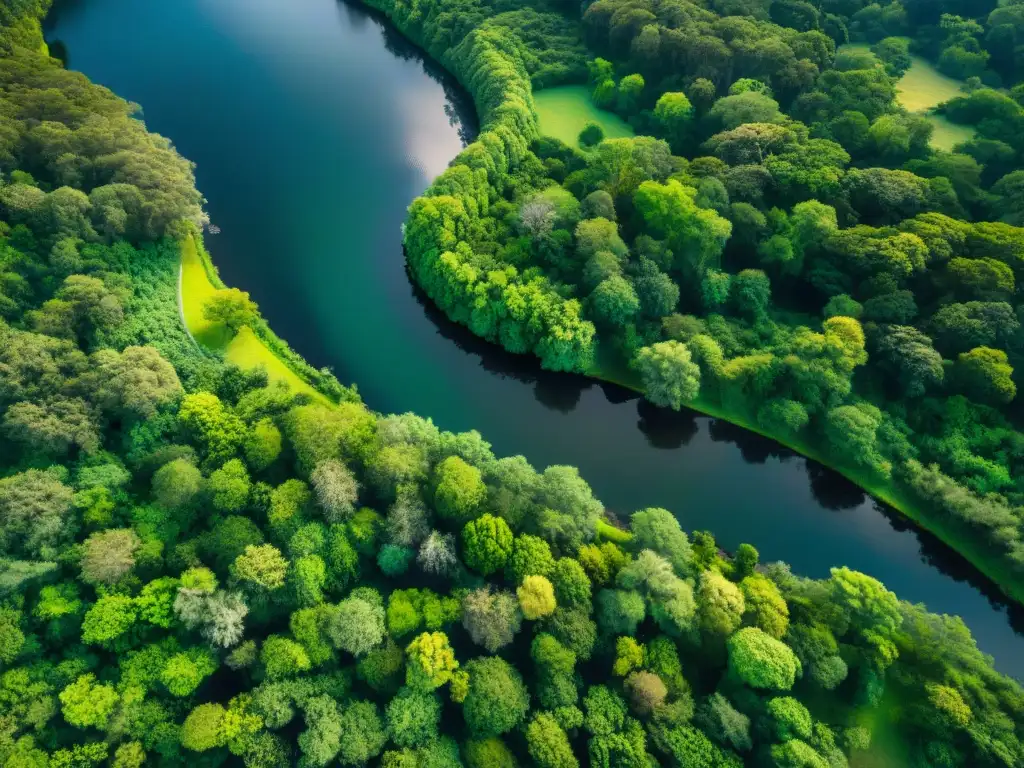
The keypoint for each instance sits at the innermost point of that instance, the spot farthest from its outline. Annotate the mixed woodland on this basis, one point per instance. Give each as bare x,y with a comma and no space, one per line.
780,244
200,568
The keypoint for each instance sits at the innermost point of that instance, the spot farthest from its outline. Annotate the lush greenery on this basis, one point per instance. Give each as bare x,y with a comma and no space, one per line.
565,111
200,567
784,248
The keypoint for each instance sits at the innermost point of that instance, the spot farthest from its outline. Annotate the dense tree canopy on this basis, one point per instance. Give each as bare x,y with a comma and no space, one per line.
201,568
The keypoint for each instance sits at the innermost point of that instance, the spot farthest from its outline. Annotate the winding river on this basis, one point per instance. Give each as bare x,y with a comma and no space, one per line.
313,126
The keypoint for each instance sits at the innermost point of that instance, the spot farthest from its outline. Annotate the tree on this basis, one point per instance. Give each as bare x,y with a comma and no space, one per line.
413,718
336,488
985,375
619,612
720,604
283,657
177,484
724,723
357,626
491,618
571,583
488,753
673,115
599,205
646,692
217,429
109,555
437,554
630,88
670,377
486,544
591,135
614,302
599,235
536,597
696,235
318,432
852,431
547,743
135,383
873,611
605,711
764,605
430,661
264,566
497,700
35,508
791,718
658,529
751,292
908,355
229,486
761,661
231,307
569,511
86,703
843,305
53,428
82,306
362,733
262,445
184,672
109,618
531,555
203,728
458,490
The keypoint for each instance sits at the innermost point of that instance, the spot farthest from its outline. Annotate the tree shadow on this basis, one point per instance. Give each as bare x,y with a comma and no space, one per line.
666,429
754,448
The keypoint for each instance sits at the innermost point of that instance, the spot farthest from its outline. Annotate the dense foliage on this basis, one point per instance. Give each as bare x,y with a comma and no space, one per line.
782,247
197,568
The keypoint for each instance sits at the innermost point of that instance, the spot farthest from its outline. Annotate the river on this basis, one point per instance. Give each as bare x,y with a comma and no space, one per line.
313,126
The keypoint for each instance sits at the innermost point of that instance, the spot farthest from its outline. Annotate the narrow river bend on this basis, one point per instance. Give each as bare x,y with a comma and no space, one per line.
314,126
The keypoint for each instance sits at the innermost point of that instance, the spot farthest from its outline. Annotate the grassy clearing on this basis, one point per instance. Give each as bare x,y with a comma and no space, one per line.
921,89
948,134
924,87
245,349
608,532
563,111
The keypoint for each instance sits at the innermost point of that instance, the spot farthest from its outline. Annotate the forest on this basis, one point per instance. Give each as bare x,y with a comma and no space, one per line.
779,245
199,568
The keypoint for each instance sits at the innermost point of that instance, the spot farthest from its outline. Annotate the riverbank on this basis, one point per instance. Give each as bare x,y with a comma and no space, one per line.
248,349
516,113
888,494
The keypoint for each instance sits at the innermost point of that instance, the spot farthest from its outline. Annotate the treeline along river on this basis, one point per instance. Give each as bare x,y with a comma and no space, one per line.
314,125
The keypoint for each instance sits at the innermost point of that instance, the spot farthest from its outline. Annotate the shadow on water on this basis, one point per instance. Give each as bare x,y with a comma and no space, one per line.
669,430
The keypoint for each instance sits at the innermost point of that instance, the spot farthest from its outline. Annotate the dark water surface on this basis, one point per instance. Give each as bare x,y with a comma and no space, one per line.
313,127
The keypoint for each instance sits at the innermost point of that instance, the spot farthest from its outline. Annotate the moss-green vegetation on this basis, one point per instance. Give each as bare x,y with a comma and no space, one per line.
200,566
563,111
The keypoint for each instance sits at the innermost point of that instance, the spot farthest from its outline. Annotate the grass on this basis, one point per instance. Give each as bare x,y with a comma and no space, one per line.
948,134
608,532
563,111
245,349
921,89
